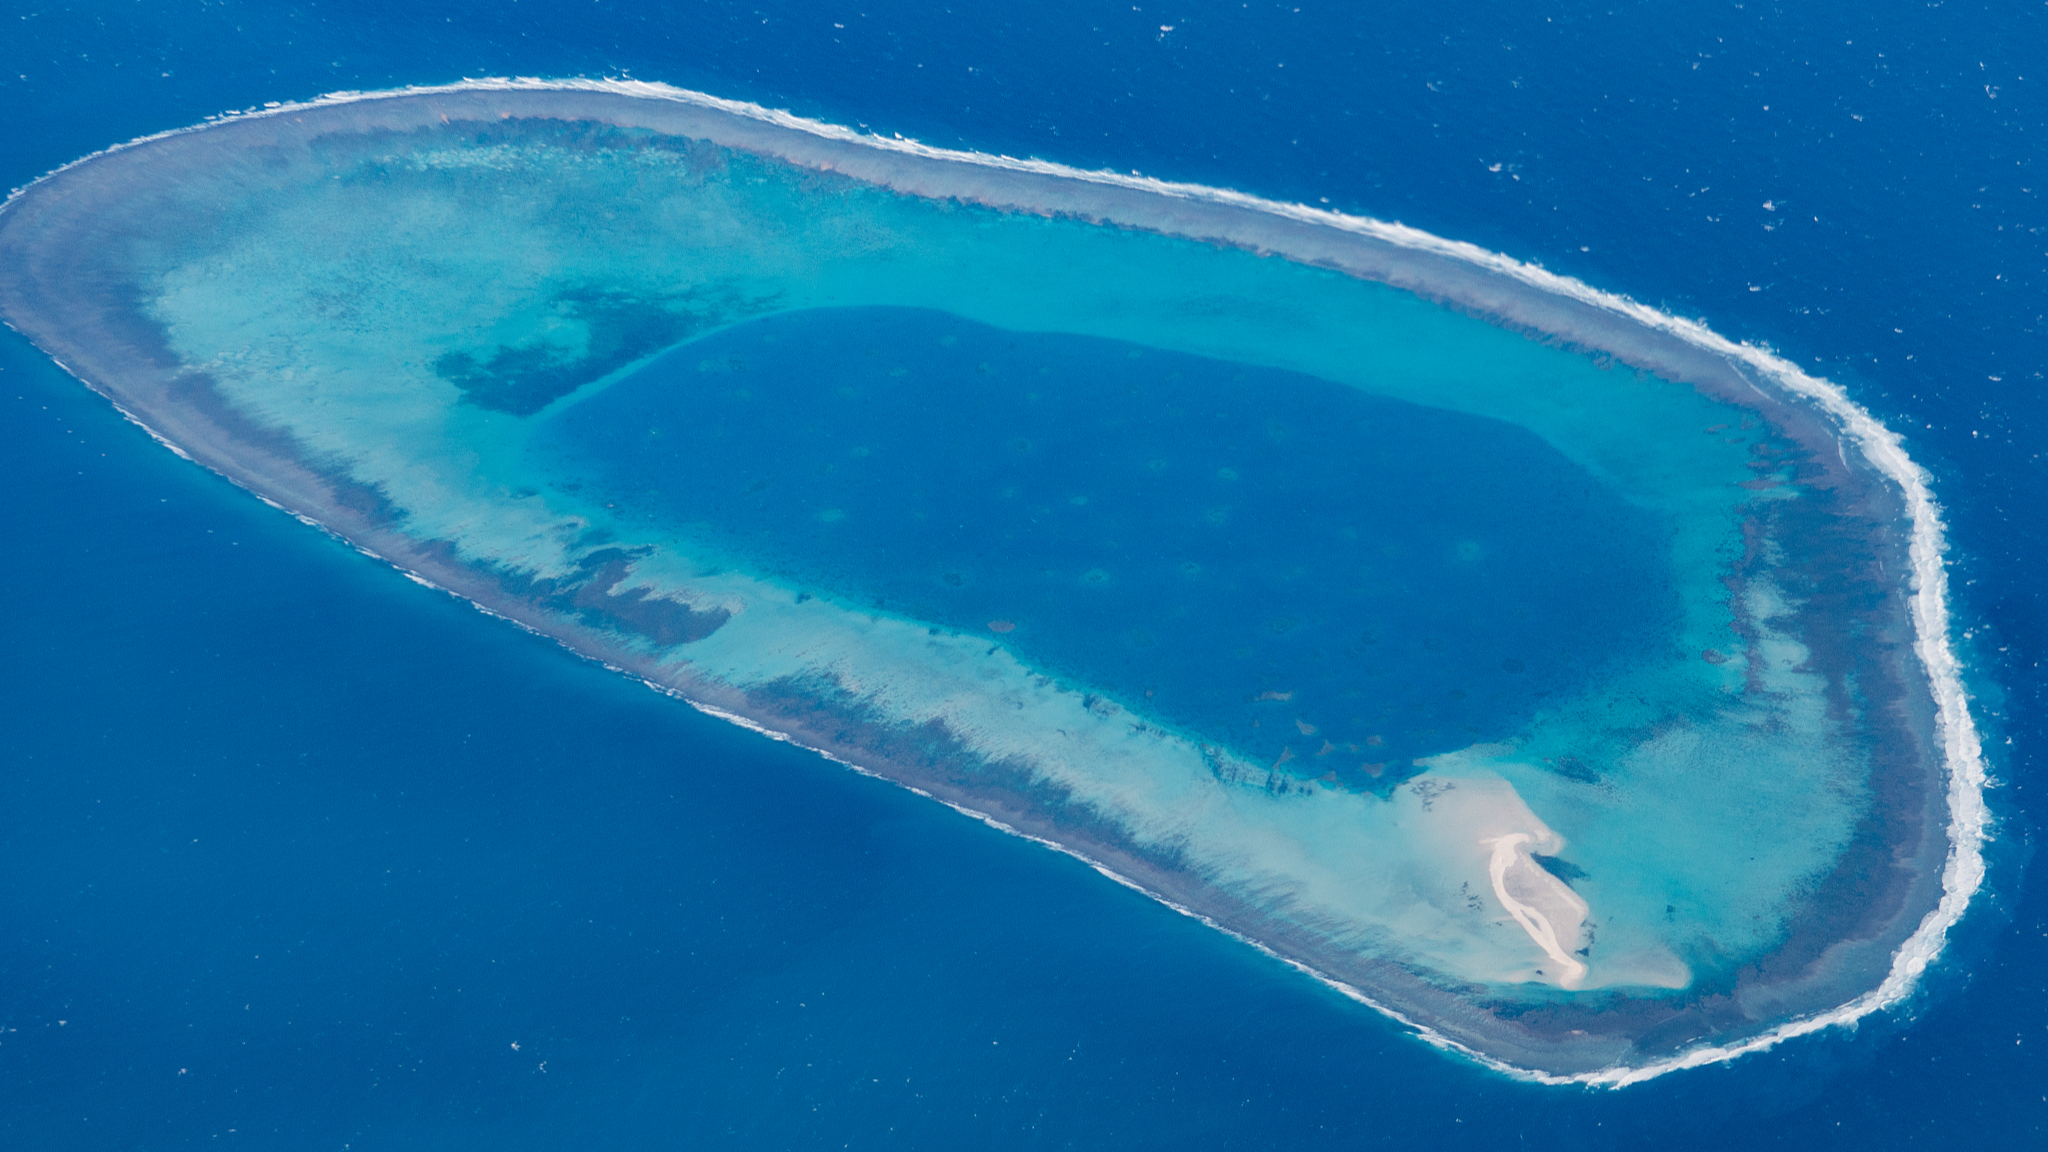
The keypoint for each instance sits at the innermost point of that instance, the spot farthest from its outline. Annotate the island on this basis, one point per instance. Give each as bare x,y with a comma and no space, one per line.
1546,671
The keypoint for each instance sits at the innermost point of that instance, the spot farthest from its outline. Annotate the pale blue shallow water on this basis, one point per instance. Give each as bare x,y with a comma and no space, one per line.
302,851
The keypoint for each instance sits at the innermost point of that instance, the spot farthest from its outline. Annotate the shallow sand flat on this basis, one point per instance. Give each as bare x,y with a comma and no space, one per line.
282,297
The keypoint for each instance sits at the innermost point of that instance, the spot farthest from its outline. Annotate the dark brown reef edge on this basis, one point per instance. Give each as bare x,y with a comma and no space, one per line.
61,287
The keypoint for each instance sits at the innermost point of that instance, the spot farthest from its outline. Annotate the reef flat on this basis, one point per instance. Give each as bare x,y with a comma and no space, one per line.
1539,668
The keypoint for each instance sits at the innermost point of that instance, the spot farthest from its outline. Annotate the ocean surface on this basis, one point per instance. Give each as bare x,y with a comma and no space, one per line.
305,855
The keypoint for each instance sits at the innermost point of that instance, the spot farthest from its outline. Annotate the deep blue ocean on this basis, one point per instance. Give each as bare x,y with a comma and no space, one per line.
301,855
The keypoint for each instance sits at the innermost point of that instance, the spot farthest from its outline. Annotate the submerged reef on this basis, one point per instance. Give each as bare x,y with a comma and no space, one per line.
1543,670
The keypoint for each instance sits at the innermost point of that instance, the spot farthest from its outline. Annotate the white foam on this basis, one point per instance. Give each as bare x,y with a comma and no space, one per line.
1969,822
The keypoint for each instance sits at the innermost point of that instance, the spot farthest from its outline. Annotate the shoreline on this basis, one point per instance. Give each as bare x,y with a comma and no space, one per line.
174,409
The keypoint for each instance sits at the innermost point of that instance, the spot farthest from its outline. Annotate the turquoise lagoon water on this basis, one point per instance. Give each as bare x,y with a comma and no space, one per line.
1528,672
1297,570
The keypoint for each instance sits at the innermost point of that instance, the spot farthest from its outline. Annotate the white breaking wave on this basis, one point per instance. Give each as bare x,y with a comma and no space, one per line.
1969,824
